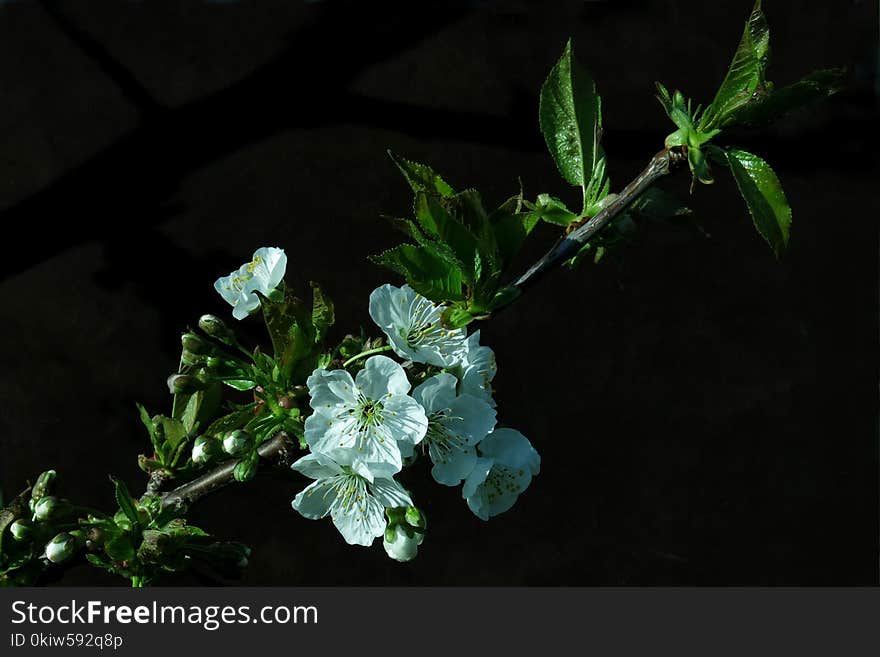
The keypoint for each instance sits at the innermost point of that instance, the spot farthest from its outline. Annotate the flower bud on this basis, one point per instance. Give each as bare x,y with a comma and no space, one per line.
215,327
401,545
195,344
238,443
246,469
22,529
183,384
61,548
43,486
204,449
51,508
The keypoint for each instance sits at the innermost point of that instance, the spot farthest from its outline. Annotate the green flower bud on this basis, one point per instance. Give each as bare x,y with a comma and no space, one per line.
246,469
51,508
205,448
22,529
238,443
196,344
61,548
216,328
43,486
184,384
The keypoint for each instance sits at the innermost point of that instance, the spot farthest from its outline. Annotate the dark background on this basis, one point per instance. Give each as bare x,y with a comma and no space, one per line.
705,414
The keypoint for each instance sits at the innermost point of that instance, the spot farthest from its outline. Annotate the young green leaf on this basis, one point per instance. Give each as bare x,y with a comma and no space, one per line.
323,312
436,220
571,120
427,270
764,108
126,503
421,177
553,211
747,73
763,194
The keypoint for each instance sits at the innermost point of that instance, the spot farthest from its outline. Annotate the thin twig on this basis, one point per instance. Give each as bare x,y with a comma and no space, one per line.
660,165
275,449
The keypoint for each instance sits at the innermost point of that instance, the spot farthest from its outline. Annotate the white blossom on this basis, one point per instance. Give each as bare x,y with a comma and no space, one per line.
505,469
412,324
356,504
364,422
456,423
262,274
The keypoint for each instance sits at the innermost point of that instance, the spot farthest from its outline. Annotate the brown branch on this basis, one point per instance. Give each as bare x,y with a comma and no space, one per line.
276,449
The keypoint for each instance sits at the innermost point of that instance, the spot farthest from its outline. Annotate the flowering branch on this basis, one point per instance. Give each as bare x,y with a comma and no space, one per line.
360,416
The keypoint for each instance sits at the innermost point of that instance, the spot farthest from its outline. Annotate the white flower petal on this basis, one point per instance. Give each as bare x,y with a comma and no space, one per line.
390,494
332,436
511,448
404,418
381,376
271,266
315,467
331,389
471,418
478,369
436,393
476,477
455,466
315,501
403,548
360,521
247,303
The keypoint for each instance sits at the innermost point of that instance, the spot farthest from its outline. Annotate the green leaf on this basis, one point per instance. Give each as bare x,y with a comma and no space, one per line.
147,421
467,208
747,73
763,194
323,312
421,177
201,407
438,223
240,384
126,503
427,271
120,548
234,420
764,108
455,317
598,189
553,211
291,329
570,118
172,430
